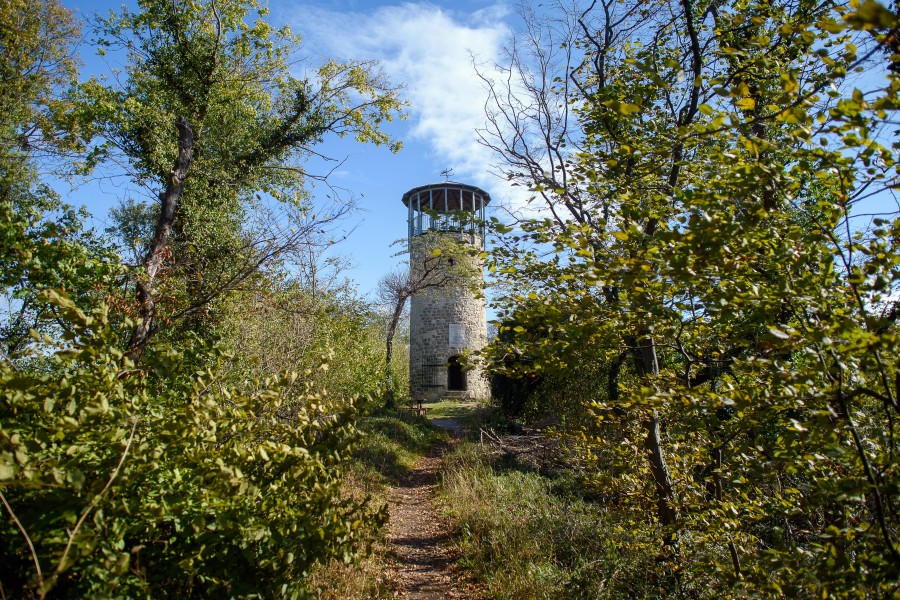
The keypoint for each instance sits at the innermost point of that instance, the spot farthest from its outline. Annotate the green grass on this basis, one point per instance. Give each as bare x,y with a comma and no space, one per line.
469,413
528,541
392,441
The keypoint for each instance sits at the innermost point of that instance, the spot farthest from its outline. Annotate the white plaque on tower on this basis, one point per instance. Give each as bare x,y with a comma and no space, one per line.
457,335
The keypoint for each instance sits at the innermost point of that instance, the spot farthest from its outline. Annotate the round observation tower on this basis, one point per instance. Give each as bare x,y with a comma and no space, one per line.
447,313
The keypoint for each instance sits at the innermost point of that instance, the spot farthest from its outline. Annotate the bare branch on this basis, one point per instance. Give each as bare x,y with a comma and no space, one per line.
34,556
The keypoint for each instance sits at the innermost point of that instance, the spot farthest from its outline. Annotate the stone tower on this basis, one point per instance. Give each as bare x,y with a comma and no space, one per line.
447,318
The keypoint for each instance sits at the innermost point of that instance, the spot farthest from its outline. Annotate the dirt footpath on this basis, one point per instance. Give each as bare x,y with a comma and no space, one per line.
422,555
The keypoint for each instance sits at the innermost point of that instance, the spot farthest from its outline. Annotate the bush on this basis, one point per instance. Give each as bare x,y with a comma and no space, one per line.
163,481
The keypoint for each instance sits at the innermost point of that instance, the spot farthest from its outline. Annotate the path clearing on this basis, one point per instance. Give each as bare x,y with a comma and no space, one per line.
424,560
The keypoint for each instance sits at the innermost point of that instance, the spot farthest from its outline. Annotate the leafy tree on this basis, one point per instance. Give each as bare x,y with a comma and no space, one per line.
36,47
42,241
209,117
132,228
45,246
705,222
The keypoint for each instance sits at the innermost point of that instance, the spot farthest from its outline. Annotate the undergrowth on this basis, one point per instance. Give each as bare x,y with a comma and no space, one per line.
391,443
529,535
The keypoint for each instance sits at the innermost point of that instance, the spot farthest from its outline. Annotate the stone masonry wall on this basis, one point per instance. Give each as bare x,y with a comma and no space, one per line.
432,312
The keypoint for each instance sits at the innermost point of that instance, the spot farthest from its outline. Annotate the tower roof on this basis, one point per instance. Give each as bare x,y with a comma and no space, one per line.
458,196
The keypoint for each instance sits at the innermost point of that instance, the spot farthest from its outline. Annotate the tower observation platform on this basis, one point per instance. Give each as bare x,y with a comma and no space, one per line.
447,206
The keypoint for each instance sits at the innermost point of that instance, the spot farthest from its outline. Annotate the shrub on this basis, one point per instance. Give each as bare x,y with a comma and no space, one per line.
163,481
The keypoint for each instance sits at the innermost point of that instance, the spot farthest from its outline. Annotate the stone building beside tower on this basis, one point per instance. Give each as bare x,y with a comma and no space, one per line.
447,318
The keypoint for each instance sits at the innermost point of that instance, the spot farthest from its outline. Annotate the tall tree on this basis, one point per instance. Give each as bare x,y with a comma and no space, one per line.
37,47
209,117
42,241
706,226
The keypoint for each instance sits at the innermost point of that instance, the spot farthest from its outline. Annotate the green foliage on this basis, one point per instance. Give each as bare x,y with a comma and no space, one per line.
36,63
527,541
43,245
166,481
42,241
286,327
526,391
718,195
131,227
199,472
243,204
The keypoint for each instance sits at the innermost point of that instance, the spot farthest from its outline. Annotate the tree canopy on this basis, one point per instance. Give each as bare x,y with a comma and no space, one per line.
140,455
714,189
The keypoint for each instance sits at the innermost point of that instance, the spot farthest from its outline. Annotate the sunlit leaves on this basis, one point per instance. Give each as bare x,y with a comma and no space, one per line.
200,465
244,204
731,236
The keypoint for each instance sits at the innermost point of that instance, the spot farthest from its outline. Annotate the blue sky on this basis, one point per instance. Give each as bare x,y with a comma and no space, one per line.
427,47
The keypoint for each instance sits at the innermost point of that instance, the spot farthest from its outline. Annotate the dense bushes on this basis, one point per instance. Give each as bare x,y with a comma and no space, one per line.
714,272
296,329
159,435
167,481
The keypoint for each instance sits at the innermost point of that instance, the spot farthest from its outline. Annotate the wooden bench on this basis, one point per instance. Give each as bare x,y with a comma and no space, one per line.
418,409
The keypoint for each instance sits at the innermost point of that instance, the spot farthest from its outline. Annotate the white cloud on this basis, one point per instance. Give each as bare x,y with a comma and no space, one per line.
430,50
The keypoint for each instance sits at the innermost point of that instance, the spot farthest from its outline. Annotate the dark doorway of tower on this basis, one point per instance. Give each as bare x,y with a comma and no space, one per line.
456,377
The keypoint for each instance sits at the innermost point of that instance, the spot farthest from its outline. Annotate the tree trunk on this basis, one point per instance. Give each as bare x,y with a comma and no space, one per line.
665,495
389,353
156,254
648,366
612,381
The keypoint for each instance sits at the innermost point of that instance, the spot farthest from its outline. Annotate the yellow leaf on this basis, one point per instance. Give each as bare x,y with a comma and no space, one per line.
623,108
746,103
